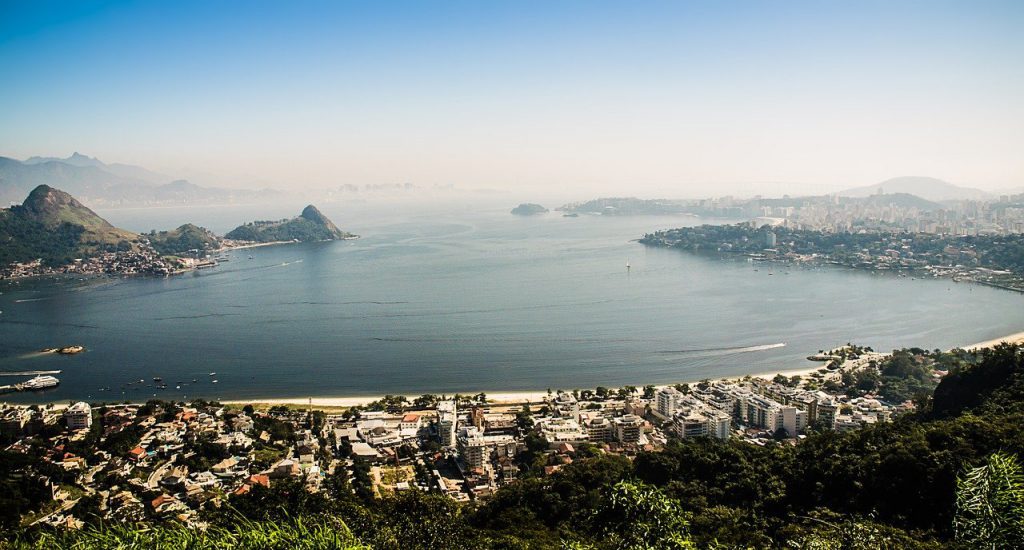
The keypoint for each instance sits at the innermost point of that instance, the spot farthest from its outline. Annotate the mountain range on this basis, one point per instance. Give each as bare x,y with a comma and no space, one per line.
107,185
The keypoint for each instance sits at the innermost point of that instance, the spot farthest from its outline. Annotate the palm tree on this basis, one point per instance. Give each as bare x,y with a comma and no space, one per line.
990,504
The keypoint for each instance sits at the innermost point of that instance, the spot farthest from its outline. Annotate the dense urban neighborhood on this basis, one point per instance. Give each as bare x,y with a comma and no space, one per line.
174,460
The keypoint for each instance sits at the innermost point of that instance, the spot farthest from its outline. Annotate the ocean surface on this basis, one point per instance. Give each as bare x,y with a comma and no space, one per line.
452,297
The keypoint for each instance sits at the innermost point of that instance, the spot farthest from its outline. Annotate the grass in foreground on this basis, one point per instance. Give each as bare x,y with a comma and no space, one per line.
301,533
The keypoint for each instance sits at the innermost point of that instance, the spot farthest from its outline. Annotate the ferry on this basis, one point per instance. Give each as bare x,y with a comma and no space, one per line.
39,383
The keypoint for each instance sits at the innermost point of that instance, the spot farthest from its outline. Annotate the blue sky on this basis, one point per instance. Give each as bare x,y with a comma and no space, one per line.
678,97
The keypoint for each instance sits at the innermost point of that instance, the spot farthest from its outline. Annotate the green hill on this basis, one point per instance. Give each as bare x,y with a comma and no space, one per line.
311,225
183,239
54,226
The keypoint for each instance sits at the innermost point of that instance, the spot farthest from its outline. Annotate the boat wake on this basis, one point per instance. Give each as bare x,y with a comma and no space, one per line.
29,373
725,351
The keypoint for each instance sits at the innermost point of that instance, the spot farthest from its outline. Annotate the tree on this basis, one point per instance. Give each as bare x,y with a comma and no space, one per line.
649,391
635,515
990,504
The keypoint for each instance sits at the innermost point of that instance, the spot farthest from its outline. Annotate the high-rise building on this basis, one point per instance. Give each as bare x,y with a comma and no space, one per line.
447,422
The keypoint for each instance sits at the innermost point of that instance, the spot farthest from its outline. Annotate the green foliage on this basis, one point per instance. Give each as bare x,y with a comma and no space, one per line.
301,532
183,239
23,239
990,504
301,228
635,515
996,381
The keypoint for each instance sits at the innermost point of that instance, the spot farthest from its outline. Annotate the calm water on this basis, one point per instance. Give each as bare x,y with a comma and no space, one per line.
462,299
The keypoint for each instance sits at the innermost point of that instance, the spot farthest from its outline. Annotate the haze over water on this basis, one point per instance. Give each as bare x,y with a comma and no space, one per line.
457,298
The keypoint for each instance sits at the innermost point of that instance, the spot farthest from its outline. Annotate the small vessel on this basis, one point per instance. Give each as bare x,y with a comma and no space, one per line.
157,379
215,381
39,383
213,374
71,350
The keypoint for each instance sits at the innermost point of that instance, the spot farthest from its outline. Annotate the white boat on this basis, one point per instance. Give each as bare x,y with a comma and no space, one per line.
40,383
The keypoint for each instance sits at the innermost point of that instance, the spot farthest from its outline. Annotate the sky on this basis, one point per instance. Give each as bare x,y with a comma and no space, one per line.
680,98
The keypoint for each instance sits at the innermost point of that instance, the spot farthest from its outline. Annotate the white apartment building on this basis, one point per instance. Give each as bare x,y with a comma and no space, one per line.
447,422
628,428
79,416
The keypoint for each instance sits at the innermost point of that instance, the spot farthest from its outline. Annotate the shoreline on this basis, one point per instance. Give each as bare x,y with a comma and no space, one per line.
1015,338
499,397
511,397
531,397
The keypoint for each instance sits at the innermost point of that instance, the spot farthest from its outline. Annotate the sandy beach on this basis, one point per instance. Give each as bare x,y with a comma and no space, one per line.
514,397
495,397
1016,338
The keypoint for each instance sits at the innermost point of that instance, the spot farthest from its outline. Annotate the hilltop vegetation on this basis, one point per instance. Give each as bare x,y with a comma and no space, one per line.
54,226
183,239
311,225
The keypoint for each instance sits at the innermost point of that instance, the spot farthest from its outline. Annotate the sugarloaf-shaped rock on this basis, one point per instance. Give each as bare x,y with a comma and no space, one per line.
311,225
54,226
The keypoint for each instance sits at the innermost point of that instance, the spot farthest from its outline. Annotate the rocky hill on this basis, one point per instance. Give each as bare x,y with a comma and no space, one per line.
311,225
54,226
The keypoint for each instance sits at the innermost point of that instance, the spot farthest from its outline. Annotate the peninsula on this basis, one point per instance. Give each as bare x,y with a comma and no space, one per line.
994,260
310,225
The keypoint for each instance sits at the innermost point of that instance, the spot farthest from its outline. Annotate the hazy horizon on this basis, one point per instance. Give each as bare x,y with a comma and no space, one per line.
674,100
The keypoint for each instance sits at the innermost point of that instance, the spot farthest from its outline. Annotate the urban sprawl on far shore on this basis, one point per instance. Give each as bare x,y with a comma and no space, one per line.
173,460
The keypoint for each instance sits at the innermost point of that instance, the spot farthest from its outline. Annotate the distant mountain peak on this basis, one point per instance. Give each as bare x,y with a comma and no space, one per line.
929,188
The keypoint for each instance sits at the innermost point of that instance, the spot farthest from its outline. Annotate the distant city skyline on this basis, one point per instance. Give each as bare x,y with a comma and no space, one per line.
654,98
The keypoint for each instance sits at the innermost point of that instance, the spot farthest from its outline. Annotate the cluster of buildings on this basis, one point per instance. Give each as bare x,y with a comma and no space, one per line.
471,448
757,409
170,460
153,461
143,261
836,214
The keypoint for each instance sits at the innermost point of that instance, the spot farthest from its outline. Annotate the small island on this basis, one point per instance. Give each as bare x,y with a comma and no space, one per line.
311,225
529,209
